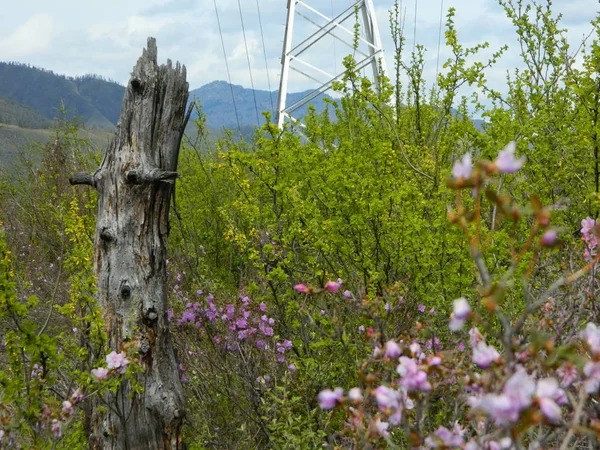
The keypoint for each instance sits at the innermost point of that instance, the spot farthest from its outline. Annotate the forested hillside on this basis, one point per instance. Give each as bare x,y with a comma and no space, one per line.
88,97
217,103
98,101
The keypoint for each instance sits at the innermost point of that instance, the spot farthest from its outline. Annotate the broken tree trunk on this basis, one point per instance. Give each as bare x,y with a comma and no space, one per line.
135,183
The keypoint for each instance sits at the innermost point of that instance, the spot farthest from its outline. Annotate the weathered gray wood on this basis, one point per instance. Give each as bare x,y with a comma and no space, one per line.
135,183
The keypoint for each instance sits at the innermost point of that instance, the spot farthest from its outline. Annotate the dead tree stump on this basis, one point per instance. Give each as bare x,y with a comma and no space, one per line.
135,183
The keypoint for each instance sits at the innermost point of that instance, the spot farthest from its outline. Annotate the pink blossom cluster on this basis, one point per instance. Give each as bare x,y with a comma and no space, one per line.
445,438
413,369
65,413
519,393
499,394
116,363
589,237
591,370
506,162
330,286
233,324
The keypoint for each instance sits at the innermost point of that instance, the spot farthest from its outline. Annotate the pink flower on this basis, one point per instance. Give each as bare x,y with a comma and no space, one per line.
591,335
415,348
117,361
587,225
292,367
392,350
444,438
549,238
549,397
301,288
592,372
187,317
100,373
506,161
516,396
461,308
56,428
475,336
77,396
333,286
381,428
262,306
484,355
355,395
460,313
421,308
463,168
67,407
433,360
412,378
347,294
568,375
328,398
390,401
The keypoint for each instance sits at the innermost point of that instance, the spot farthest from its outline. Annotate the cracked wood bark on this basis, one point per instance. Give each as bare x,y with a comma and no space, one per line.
135,183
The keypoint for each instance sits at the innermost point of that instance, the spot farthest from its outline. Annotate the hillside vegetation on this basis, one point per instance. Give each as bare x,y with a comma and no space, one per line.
44,91
16,143
12,113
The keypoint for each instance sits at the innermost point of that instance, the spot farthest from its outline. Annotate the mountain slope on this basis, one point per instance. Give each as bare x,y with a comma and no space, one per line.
98,101
16,142
44,91
217,104
13,113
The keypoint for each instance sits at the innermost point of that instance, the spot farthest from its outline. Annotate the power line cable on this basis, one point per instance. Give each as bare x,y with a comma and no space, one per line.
333,38
237,118
437,66
415,27
249,65
262,36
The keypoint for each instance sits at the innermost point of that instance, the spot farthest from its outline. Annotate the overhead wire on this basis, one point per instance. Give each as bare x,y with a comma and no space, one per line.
415,26
334,48
237,117
437,66
262,36
249,65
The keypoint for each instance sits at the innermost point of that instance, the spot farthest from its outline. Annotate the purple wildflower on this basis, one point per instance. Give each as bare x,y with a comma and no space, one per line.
117,361
328,398
460,313
506,162
484,355
463,168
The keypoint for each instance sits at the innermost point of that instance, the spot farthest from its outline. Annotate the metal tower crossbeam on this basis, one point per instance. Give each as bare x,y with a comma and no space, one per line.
370,47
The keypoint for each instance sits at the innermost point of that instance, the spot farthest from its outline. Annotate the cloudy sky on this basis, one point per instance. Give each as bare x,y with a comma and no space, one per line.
105,37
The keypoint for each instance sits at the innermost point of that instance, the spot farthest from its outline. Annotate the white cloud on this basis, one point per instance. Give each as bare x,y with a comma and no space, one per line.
32,37
107,37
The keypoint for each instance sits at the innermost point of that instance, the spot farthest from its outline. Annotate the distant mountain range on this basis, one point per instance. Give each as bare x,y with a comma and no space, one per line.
217,100
30,98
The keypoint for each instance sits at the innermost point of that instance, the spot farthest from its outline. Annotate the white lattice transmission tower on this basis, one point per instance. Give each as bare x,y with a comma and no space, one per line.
313,54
